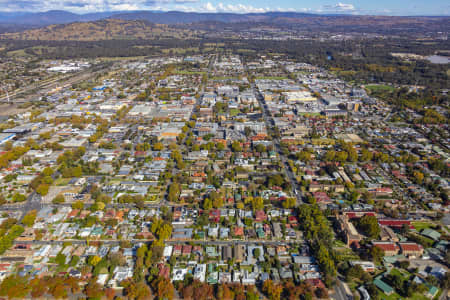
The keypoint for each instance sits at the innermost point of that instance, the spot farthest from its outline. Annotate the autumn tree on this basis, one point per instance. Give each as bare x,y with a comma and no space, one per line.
164,288
273,291
93,290
136,290
14,286
94,260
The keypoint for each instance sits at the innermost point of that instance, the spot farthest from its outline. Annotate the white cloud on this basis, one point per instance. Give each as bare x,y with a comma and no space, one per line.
82,6
232,8
343,6
339,7
209,7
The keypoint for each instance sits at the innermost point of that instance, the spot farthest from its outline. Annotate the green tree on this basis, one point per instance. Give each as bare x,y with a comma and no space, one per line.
376,254
369,225
59,199
47,171
341,156
330,155
289,202
366,155
29,218
236,146
18,197
60,259
207,204
78,205
174,192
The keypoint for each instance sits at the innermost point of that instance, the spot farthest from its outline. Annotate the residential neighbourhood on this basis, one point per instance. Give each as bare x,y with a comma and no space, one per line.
201,173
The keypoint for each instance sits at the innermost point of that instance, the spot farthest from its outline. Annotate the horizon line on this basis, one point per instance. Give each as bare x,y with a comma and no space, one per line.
219,12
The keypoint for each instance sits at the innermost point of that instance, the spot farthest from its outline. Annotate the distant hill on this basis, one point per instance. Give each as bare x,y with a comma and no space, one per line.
177,17
14,22
108,29
160,17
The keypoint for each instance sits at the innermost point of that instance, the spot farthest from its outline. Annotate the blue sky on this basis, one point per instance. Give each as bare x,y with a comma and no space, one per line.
384,7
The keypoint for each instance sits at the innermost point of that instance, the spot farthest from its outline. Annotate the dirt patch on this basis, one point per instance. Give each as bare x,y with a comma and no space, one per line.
11,109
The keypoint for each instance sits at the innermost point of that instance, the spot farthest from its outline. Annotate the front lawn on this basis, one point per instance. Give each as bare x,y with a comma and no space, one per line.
419,226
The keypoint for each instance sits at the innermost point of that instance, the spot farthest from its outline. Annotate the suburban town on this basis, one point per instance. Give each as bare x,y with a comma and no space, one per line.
218,176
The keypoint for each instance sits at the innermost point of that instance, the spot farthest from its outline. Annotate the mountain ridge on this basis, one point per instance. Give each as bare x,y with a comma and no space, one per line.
165,17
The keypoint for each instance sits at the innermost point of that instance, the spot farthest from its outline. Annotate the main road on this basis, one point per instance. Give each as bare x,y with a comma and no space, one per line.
270,123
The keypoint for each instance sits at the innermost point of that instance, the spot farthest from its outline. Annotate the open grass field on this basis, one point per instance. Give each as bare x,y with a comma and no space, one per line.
419,226
379,87
272,77
182,72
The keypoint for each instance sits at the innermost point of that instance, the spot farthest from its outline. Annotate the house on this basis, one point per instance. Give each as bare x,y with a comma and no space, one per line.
239,253
177,250
303,260
200,272
275,275
214,215
42,252
167,253
293,221
187,249
238,231
286,273
182,233
227,253
224,277
237,276
213,277
179,273
260,216
321,197
252,256
249,278
211,251
213,231
197,250
277,230
224,232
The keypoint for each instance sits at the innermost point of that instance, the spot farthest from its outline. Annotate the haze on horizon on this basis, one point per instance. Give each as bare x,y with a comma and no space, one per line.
361,7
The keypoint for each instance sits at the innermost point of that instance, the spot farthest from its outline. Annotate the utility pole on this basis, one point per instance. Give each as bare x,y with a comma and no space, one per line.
7,94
